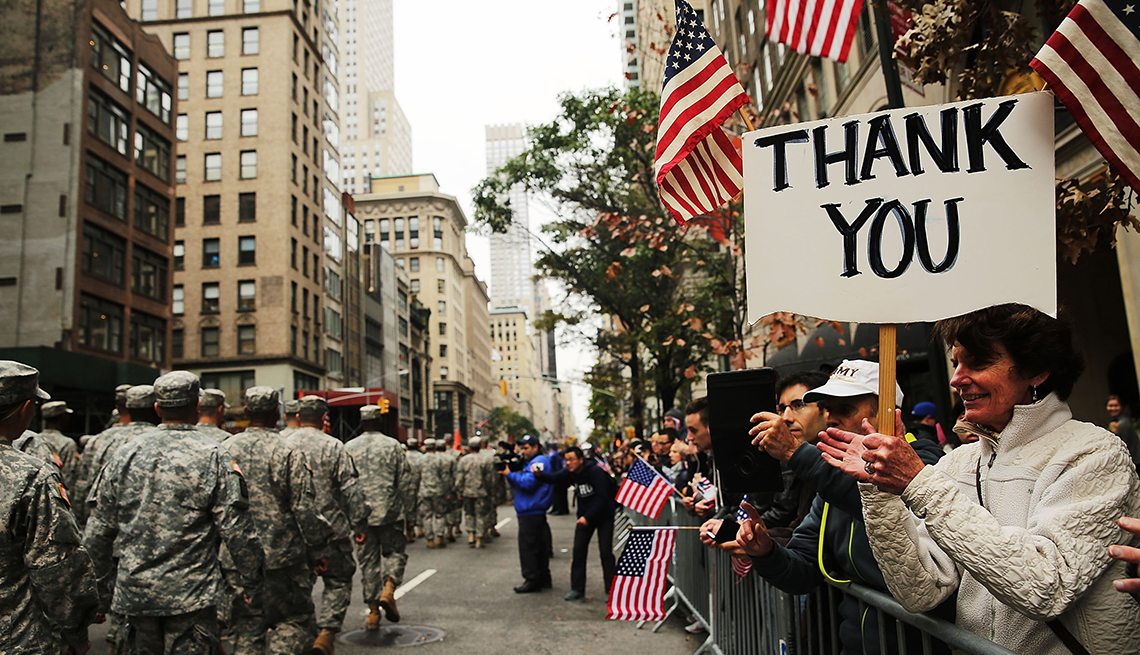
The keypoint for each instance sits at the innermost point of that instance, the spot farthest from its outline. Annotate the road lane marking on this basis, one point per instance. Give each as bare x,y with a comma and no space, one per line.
413,583
502,523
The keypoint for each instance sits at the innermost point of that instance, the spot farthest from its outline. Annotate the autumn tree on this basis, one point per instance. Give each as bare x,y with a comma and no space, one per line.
504,423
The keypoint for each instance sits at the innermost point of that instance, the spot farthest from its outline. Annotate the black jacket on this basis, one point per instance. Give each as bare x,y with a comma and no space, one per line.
593,487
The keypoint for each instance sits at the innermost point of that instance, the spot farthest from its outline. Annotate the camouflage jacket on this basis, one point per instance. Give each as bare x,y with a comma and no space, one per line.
96,455
282,498
385,476
336,480
211,430
68,452
31,443
474,476
416,461
437,477
159,511
46,579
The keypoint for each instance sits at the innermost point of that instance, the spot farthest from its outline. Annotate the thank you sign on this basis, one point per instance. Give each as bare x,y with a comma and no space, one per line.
904,215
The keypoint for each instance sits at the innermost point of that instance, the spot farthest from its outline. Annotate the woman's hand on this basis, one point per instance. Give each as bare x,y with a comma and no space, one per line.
752,537
1127,554
891,462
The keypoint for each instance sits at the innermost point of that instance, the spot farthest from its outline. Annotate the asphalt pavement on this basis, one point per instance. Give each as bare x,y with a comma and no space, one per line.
469,595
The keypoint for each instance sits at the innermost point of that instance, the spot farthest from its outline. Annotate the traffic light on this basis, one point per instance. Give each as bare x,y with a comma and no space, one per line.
383,403
503,386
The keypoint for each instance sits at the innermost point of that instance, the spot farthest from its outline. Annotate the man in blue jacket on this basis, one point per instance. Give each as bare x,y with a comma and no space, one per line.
532,499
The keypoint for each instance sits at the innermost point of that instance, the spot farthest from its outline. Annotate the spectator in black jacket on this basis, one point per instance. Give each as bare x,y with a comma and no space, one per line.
595,491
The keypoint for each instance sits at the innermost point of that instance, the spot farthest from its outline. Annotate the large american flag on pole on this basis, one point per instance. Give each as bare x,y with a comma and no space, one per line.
698,166
1092,63
638,590
823,28
644,490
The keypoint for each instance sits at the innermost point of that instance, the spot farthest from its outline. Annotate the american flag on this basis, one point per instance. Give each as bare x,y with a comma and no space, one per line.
638,589
1092,63
698,166
823,28
741,566
644,490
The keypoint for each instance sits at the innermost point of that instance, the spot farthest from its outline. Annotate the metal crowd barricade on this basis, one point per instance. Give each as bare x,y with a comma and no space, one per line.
746,616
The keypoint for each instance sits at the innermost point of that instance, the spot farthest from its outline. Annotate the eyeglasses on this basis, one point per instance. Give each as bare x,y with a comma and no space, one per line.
796,406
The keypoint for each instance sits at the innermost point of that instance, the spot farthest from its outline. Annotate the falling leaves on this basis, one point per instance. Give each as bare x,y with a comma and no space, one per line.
613,271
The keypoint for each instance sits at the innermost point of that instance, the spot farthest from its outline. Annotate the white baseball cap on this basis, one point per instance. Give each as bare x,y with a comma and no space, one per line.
854,377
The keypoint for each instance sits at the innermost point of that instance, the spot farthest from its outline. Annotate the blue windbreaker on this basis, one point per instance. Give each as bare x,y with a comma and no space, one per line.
531,495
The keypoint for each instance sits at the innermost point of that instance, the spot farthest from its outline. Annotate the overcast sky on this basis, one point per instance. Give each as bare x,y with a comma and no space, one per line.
462,65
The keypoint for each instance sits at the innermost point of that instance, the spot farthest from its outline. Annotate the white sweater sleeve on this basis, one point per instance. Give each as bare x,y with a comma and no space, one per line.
919,574
1040,569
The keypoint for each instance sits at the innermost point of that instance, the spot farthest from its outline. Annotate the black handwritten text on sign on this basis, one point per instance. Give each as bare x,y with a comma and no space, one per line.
901,193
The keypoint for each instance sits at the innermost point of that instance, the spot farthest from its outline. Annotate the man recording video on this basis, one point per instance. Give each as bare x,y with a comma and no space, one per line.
532,499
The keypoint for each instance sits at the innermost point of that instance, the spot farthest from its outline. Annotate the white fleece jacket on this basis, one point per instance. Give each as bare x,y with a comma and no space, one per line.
1033,550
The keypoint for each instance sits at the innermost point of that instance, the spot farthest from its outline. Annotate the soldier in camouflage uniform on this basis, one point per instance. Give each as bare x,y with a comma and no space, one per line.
31,443
173,495
47,583
498,493
454,504
386,479
293,534
291,408
342,504
412,509
55,415
87,461
473,479
436,488
213,408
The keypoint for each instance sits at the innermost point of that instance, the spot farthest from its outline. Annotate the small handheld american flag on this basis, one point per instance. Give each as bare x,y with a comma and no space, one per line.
638,589
741,566
698,166
644,490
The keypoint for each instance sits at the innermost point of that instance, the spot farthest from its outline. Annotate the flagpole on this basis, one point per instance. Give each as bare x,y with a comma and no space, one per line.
662,527
747,121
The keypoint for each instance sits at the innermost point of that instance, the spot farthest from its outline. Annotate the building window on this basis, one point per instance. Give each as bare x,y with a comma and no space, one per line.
233,383
249,122
332,283
305,344
293,297
293,210
153,93
403,326
443,350
293,253
247,295
443,329
148,338
100,324
209,341
184,8
249,81
213,125
439,264
250,41
182,46
442,308
217,7
437,233
178,305
179,255
213,166
108,121
305,261
148,273
333,362
248,164
211,253
211,298
211,210
247,339
105,187
177,338
251,6
332,323
184,86
293,340
398,234
180,169
247,251
293,170
440,285
152,212
214,86
152,152
104,254
182,127
413,232
247,207
179,212
294,93
305,303
414,286
110,58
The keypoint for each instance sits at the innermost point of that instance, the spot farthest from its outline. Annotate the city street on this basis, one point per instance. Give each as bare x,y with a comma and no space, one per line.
470,598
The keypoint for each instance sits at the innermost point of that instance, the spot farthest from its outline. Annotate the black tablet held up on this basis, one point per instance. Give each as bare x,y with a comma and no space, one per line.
733,398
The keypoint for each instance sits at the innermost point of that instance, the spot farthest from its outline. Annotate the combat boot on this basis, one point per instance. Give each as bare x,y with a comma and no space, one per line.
419,531
495,533
431,543
325,643
471,539
449,535
440,543
372,621
388,601
478,542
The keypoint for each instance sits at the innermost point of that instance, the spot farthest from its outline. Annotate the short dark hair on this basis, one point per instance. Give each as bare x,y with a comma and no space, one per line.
575,450
810,379
149,415
182,414
699,406
668,433
1036,342
310,415
267,416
